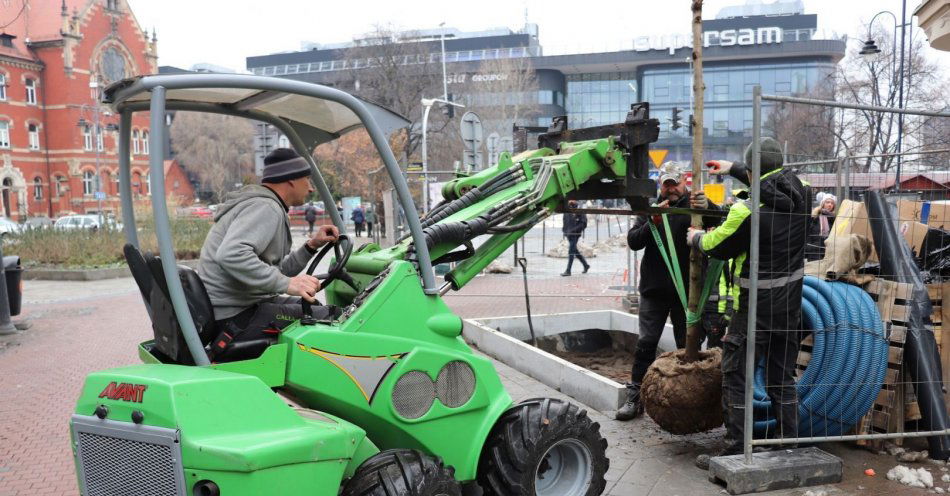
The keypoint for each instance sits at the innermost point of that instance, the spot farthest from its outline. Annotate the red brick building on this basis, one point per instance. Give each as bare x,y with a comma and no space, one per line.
55,55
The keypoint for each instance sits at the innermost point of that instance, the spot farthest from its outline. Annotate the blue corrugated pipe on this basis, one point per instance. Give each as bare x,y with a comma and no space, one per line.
847,367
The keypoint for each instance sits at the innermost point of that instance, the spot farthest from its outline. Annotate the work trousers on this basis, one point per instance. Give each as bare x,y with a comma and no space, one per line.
654,310
573,252
268,317
776,343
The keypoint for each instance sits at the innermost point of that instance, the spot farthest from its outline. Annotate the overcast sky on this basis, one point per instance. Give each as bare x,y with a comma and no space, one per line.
225,32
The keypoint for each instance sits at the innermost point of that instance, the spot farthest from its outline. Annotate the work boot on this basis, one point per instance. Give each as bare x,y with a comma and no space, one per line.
734,448
633,407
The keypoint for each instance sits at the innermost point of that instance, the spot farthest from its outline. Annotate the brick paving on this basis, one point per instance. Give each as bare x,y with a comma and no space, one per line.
79,327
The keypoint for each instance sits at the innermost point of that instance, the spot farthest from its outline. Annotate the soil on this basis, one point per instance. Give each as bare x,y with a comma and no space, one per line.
610,363
684,397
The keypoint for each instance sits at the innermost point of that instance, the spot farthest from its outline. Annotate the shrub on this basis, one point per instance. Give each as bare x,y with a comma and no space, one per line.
81,248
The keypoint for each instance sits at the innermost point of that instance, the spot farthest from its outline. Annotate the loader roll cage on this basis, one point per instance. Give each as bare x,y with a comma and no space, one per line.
308,114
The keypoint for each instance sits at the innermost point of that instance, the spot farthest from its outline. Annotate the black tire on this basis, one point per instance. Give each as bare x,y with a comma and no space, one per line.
402,472
544,437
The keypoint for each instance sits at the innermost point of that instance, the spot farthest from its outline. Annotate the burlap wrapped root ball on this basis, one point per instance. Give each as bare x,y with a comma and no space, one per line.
684,398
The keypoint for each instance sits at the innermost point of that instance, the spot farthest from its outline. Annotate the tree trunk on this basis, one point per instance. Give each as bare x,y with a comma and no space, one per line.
693,333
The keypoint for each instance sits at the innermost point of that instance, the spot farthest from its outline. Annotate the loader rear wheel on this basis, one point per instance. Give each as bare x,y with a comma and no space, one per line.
402,472
544,447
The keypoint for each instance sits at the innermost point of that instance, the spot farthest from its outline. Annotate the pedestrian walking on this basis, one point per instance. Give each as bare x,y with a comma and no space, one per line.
358,219
370,217
310,214
573,228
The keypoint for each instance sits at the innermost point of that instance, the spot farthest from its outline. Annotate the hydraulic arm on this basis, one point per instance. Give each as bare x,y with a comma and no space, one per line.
506,200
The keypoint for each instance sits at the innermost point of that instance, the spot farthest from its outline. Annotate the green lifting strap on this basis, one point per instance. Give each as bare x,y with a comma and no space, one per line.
671,260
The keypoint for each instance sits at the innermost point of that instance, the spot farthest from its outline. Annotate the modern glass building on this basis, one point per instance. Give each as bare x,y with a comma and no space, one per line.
774,45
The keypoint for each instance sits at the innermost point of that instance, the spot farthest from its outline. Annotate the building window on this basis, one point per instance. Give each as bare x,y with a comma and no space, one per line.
148,183
112,4
34,134
145,142
86,138
88,183
283,142
3,87
4,134
31,91
99,145
37,188
135,141
60,185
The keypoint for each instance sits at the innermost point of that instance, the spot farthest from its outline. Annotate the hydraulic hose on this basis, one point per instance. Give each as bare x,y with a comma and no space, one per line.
847,367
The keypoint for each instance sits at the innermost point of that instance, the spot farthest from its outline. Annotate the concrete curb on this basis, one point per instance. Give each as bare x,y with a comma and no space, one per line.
501,338
85,274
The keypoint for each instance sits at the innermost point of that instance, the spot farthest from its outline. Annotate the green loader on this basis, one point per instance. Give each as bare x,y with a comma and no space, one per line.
381,398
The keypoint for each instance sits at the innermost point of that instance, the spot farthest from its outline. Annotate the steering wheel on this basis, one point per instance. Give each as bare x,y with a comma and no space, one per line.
342,248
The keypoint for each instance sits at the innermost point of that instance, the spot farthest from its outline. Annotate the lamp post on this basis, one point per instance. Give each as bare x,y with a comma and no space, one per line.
96,137
427,104
870,49
445,81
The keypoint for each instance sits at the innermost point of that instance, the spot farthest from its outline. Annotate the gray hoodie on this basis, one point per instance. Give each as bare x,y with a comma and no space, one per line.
246,257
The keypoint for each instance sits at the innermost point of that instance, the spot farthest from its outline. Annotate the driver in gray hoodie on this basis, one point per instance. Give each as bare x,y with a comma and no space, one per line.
246,262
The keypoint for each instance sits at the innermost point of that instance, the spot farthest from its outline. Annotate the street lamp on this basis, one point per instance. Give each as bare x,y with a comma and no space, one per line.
870,49
96,137
445,81
427,104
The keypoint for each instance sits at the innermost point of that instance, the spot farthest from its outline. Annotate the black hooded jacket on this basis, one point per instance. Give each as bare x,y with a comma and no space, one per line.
655,278
783,225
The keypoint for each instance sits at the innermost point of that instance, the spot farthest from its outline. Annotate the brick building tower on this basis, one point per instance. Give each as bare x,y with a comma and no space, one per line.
57,146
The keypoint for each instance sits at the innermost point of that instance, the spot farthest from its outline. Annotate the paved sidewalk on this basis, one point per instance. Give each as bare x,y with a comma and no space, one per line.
84,326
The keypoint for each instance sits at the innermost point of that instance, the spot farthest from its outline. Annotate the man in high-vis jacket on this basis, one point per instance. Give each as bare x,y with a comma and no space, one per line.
783,222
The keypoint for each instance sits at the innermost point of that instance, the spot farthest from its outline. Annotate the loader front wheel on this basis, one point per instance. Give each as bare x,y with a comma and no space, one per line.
544,447
402,472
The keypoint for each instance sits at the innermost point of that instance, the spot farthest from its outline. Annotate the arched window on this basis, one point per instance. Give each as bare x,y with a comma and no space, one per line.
148,184
99,145
145,142
3,87
37,188
30,91
88,183
34,134
135,141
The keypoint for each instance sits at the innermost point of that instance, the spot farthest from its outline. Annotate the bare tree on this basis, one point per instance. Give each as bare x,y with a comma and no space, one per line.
396,70
217,148
876,82
503,92
807,131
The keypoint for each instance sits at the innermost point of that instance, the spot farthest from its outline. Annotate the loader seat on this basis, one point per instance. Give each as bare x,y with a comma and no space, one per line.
170,345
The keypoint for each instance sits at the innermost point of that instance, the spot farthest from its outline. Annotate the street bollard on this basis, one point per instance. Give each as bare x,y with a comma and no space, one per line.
6,325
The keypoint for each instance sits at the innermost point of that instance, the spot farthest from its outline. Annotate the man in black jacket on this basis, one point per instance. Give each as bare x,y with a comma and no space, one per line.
658,296
573,228
783,221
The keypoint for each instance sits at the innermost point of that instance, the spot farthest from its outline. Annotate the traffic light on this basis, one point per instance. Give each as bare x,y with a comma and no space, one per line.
448,110
675,120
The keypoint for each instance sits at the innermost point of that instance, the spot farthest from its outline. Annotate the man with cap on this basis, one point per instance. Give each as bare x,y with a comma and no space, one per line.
658,296
246,262
783,222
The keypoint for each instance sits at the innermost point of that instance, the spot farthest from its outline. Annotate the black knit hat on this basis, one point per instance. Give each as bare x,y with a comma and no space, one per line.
771,153
284,164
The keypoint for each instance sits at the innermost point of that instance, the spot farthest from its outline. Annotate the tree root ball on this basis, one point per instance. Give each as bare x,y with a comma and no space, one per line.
684,398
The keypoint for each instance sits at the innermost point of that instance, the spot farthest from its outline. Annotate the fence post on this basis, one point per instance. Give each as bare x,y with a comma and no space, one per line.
753,271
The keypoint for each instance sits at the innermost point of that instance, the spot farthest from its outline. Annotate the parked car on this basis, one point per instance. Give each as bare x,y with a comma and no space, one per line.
87,221
8,227
199,211
41,222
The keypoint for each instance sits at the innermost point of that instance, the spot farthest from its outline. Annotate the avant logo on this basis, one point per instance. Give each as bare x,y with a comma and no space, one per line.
124,392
